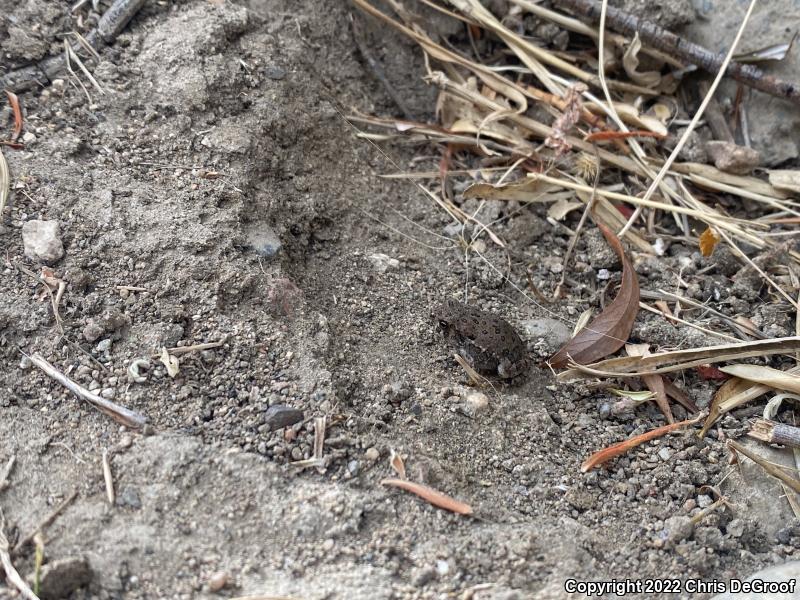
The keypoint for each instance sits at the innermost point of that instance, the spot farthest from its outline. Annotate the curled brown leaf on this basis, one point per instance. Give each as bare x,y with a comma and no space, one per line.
610,330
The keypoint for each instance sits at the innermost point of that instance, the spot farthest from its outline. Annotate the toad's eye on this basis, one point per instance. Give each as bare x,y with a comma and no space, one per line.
442,324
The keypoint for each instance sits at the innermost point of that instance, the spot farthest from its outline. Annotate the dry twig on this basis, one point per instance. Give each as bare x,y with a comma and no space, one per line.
12,575
4,481
775,433
109,479
45,522
115,411
668,42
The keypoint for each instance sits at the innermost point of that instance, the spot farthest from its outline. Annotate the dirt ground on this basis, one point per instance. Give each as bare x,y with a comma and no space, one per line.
216,182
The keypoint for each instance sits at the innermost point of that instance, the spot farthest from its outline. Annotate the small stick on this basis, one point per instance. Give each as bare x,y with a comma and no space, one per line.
131,288
716,120
42,73
14,102
602,456
197,347
666,41
775,433
12,575
108,479
119,413
430,495
707,511
4,483
45,522
319,442
767,466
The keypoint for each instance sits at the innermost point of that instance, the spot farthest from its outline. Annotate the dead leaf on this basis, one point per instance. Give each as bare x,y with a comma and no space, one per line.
170,362
653,382
734,392
582,321
609,331
396,462
775,52
630,61
785,179
774,378
664,308
771,468
561,208
678,360
603,456
708,241
677,394
636,396
746,326
430,495
630,115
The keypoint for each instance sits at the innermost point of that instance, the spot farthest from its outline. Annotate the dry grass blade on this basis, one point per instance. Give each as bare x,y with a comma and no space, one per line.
5,182
475,378
109,479
667,362
6,472
696,118
734,393
773,470
739,389
603,456
774,378
430,495
609,331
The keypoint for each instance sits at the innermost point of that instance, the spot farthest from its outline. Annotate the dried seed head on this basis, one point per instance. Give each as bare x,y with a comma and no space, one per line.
586,166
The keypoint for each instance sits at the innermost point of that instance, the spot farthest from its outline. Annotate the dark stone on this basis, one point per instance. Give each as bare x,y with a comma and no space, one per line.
279,416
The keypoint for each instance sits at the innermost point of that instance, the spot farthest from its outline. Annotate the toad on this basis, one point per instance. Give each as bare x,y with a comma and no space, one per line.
488,343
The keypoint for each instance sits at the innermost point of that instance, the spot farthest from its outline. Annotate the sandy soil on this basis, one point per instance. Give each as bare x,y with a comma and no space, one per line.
216,178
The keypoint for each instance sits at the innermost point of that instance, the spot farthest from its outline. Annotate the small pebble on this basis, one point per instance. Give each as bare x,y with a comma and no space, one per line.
372,454
41,241
92,331
735,528
475,403
423,576
217,581
677,529
382,262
